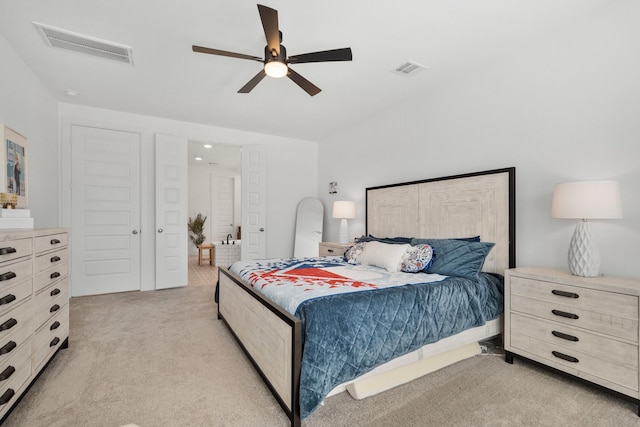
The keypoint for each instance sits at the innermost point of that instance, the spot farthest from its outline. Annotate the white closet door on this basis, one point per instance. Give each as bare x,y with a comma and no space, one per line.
105,210
254,192
172,200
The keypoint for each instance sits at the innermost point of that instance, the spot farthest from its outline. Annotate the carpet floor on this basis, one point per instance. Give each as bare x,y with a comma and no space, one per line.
161,358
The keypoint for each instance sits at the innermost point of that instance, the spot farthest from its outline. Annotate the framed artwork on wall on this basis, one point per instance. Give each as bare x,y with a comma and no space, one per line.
13,158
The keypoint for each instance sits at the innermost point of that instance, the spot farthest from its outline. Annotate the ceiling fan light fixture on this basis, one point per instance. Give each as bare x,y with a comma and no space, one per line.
276,69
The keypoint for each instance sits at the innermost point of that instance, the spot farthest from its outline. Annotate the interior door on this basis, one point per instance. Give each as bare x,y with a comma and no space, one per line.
254,191
105,210
222,207
172,202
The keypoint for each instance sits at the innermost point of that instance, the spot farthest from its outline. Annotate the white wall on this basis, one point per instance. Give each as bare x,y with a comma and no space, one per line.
566,110
286,158
30,109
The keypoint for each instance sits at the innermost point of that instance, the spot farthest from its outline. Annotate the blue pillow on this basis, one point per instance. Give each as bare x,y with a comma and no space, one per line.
455,257
390,240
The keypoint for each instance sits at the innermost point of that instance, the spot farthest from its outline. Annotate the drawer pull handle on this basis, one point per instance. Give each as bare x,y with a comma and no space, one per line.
565,314
565,294
54,326
8,324
8,347
6,251
7,299
7,276
55,292
54,275
330,251
6,397
55,241
564,357
565,336
54,342
7,373
55,258
54,308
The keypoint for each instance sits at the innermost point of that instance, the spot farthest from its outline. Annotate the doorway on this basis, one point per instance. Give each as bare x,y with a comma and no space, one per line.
214,191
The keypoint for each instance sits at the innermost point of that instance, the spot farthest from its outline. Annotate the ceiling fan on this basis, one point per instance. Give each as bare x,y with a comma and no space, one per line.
276,62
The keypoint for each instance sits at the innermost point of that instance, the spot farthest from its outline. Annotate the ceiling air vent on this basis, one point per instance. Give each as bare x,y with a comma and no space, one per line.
63,39
409,69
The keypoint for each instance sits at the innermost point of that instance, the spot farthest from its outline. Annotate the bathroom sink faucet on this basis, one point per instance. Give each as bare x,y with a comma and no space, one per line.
229,235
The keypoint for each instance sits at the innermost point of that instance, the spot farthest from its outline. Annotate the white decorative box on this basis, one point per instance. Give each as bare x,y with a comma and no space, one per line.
16,223
15,213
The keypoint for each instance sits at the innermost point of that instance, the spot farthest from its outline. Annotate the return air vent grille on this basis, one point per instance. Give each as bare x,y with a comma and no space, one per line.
409,69
63,39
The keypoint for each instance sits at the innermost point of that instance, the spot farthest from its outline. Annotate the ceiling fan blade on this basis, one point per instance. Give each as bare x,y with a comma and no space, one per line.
253,82
305,84
269,19
201,49
343,54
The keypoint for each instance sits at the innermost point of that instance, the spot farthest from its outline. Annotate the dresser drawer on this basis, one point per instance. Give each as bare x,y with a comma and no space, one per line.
50,276
15,272
576,339
19,357
50,337
50,300
329,251
12,249
570,315
18,330
595,366
51,241
51,260
11,390
589,299
12,296
332,248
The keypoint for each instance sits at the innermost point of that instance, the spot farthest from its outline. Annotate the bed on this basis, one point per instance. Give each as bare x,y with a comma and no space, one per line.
285,344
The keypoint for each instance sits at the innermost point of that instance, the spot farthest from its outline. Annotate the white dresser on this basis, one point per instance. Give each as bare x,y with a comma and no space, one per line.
34,307
586,327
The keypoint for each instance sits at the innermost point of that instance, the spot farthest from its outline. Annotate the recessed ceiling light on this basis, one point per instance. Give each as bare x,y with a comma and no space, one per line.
71,93
207,145
198,158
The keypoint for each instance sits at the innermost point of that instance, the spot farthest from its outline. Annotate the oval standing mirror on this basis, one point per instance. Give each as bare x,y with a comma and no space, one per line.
309,221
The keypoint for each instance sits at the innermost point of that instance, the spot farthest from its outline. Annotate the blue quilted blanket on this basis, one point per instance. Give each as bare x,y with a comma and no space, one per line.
349,334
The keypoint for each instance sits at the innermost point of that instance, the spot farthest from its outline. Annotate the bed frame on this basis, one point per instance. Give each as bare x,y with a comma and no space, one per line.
481,203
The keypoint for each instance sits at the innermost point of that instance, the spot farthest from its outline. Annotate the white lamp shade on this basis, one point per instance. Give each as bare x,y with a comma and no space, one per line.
344,209
587,200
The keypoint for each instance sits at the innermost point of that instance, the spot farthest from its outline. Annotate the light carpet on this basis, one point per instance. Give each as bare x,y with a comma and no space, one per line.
162,358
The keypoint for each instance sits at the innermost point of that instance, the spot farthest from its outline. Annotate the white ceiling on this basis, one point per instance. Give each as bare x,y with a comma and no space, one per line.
454,38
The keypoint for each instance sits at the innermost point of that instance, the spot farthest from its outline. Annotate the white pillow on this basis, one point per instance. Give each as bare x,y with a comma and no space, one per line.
383,255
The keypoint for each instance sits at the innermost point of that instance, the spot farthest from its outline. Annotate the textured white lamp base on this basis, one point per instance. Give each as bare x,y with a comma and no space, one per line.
343,232
584,258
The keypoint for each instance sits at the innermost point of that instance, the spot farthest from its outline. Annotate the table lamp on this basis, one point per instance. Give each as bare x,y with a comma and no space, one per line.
344,210
586,200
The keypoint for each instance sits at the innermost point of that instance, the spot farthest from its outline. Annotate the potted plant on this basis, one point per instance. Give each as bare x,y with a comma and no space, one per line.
196,228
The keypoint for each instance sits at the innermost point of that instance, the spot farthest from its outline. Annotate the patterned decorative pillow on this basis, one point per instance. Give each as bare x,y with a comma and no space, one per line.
417,258
353,253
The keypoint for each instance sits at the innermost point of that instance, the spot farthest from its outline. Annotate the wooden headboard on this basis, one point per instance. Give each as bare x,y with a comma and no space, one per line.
475,204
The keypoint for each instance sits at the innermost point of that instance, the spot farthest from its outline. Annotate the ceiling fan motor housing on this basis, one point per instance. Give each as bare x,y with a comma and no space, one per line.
273,56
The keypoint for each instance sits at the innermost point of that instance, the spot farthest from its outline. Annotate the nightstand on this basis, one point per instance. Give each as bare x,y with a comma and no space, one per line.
583,326
333,248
